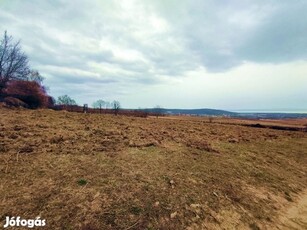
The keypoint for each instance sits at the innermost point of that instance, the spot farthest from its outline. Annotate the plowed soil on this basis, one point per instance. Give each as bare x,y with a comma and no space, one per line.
92,171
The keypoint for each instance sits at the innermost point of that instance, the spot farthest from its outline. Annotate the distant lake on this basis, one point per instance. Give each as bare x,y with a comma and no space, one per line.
270,111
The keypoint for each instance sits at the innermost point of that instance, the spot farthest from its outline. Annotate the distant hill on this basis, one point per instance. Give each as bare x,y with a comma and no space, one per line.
199,112
217,112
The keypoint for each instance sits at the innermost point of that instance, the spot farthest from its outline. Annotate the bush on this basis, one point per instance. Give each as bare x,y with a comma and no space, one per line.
15,102
29,92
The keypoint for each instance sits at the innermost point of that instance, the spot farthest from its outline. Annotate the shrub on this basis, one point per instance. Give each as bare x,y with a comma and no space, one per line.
29,92
15,102
82,182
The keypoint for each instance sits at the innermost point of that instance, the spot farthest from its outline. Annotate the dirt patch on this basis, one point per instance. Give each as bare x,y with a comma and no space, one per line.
295,216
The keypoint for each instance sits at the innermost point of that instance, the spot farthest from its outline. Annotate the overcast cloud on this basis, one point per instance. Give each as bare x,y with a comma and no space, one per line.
237,54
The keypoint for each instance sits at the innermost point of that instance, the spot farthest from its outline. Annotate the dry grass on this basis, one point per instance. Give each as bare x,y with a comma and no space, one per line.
92,171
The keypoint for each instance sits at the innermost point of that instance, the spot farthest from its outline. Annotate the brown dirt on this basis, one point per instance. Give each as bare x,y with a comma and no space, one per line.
92,171
295,216
291,123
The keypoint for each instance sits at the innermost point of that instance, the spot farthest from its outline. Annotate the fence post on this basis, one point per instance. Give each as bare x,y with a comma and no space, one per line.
85,108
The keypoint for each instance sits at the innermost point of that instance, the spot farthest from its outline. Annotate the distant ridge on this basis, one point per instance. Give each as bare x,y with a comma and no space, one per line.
199,112
218,112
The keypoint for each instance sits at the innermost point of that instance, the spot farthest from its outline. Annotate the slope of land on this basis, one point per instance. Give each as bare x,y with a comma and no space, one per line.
294,217
207,112
92,171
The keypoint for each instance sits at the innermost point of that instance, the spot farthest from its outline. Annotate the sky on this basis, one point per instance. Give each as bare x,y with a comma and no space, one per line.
225,54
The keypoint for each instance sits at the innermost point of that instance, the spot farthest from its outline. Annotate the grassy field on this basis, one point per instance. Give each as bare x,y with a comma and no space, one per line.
92,171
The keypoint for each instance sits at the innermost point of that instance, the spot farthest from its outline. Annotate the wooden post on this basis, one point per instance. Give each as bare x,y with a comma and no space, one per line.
85,108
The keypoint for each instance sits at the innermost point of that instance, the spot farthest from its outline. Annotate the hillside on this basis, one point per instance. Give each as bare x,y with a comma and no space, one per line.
201,112
93,171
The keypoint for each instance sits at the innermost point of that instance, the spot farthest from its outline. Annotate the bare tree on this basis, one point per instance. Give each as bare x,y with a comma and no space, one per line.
99,104
66,100
116,107
35,76
13,62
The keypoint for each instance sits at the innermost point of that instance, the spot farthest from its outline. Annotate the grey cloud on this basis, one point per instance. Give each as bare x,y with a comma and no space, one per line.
210,32
281,38
72,79
80,42
223,34
40,36
72,76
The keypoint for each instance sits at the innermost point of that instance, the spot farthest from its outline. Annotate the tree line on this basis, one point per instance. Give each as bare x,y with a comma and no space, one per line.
100,104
